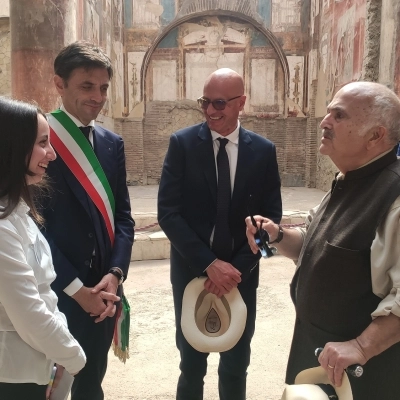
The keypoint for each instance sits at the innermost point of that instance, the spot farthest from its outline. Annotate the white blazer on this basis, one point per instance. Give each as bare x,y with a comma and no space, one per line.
33,332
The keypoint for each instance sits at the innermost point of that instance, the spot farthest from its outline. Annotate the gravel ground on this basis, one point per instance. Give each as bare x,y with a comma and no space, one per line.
152,370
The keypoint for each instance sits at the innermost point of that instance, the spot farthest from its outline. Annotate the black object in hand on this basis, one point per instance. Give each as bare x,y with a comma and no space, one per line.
355,370
261,238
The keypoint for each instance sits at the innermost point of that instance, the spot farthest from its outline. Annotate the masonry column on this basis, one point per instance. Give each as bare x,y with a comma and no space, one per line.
39,29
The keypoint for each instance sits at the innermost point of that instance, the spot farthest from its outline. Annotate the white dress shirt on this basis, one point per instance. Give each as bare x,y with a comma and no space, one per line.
232,149
33,332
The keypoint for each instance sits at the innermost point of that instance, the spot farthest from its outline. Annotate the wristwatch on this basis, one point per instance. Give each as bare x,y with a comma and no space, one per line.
280,235
118,273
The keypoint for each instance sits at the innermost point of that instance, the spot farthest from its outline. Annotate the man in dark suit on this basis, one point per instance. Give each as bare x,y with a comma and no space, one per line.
88,219
197,219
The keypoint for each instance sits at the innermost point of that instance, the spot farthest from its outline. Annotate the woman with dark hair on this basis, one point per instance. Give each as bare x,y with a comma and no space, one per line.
33,333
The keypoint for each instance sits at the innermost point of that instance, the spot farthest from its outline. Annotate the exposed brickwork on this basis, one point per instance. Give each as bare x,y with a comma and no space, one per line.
146,141
311,141
288,135
296,139
272,129
132,133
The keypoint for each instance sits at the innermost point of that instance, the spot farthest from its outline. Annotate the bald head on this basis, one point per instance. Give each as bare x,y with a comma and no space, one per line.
381,107
224,100
226,77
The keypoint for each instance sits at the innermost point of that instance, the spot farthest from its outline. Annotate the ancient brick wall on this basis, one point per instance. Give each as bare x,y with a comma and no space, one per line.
132,132
146,141
311,142
293,55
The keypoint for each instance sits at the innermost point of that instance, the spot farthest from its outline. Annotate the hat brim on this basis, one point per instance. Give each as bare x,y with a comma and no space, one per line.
304,392
318,375
198,339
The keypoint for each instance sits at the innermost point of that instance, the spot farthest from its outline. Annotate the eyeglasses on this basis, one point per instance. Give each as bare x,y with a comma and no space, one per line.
218,104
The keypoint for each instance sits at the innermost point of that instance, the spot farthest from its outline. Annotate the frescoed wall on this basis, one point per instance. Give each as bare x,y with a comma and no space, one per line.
341,46
293,54
337,37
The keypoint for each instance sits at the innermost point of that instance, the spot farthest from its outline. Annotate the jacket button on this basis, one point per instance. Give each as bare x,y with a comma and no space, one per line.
90,234
87,263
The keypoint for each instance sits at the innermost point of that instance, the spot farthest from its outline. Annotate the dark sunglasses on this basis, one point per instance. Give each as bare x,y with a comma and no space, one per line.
218,104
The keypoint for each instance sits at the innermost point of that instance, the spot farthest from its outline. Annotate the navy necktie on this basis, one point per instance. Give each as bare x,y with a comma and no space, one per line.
222,241
86,130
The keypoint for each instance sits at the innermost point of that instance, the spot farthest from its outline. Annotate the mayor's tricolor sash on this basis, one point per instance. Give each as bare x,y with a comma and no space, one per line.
78,155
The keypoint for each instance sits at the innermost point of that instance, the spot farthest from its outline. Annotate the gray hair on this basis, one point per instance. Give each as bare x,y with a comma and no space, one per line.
384,109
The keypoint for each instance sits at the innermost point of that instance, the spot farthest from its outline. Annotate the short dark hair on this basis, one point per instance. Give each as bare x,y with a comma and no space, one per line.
81,54
18,133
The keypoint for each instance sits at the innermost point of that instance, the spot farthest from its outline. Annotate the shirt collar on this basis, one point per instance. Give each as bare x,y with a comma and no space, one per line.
341,176
232,137
21,209
76,120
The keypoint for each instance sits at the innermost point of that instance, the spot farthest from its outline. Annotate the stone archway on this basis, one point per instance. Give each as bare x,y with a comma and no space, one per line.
223,13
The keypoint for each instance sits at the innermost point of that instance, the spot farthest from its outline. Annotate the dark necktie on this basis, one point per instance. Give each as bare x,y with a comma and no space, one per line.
222,242
86,130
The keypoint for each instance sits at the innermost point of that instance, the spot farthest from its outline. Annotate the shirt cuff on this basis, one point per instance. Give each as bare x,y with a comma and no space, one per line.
390,304
210,264
73,287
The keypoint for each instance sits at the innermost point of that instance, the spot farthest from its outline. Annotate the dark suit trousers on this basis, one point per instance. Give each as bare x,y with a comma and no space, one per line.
22,391
232,369
95,340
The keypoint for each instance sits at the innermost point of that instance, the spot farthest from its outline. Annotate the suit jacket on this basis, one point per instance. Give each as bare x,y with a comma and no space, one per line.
69,227
187,199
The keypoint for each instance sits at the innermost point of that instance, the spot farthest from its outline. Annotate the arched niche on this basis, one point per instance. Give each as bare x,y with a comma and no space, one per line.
245,19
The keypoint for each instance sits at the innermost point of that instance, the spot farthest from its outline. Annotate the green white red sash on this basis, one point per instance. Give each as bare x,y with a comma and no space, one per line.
120,343
78,155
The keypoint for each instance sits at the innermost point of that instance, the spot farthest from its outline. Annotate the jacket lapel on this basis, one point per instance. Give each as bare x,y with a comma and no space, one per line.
205,154
76,188
105,151
245,156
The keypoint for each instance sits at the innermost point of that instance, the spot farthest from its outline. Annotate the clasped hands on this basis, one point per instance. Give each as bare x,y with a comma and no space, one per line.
222,278
99,301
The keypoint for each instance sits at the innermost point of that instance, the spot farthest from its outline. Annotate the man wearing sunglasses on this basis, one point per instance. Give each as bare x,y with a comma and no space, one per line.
197,216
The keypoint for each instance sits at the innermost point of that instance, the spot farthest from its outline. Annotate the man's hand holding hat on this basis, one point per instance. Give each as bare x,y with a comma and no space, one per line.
222,278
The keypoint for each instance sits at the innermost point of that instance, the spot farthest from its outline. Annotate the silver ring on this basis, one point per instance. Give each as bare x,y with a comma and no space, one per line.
330,366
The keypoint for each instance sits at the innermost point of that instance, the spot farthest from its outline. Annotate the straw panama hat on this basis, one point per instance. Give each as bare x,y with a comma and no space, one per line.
305,388
208,323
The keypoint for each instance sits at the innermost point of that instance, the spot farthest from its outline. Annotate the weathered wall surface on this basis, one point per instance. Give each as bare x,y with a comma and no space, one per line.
262,40
4,8
338,54
389,59
5,57
102,22
294,55
351,40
